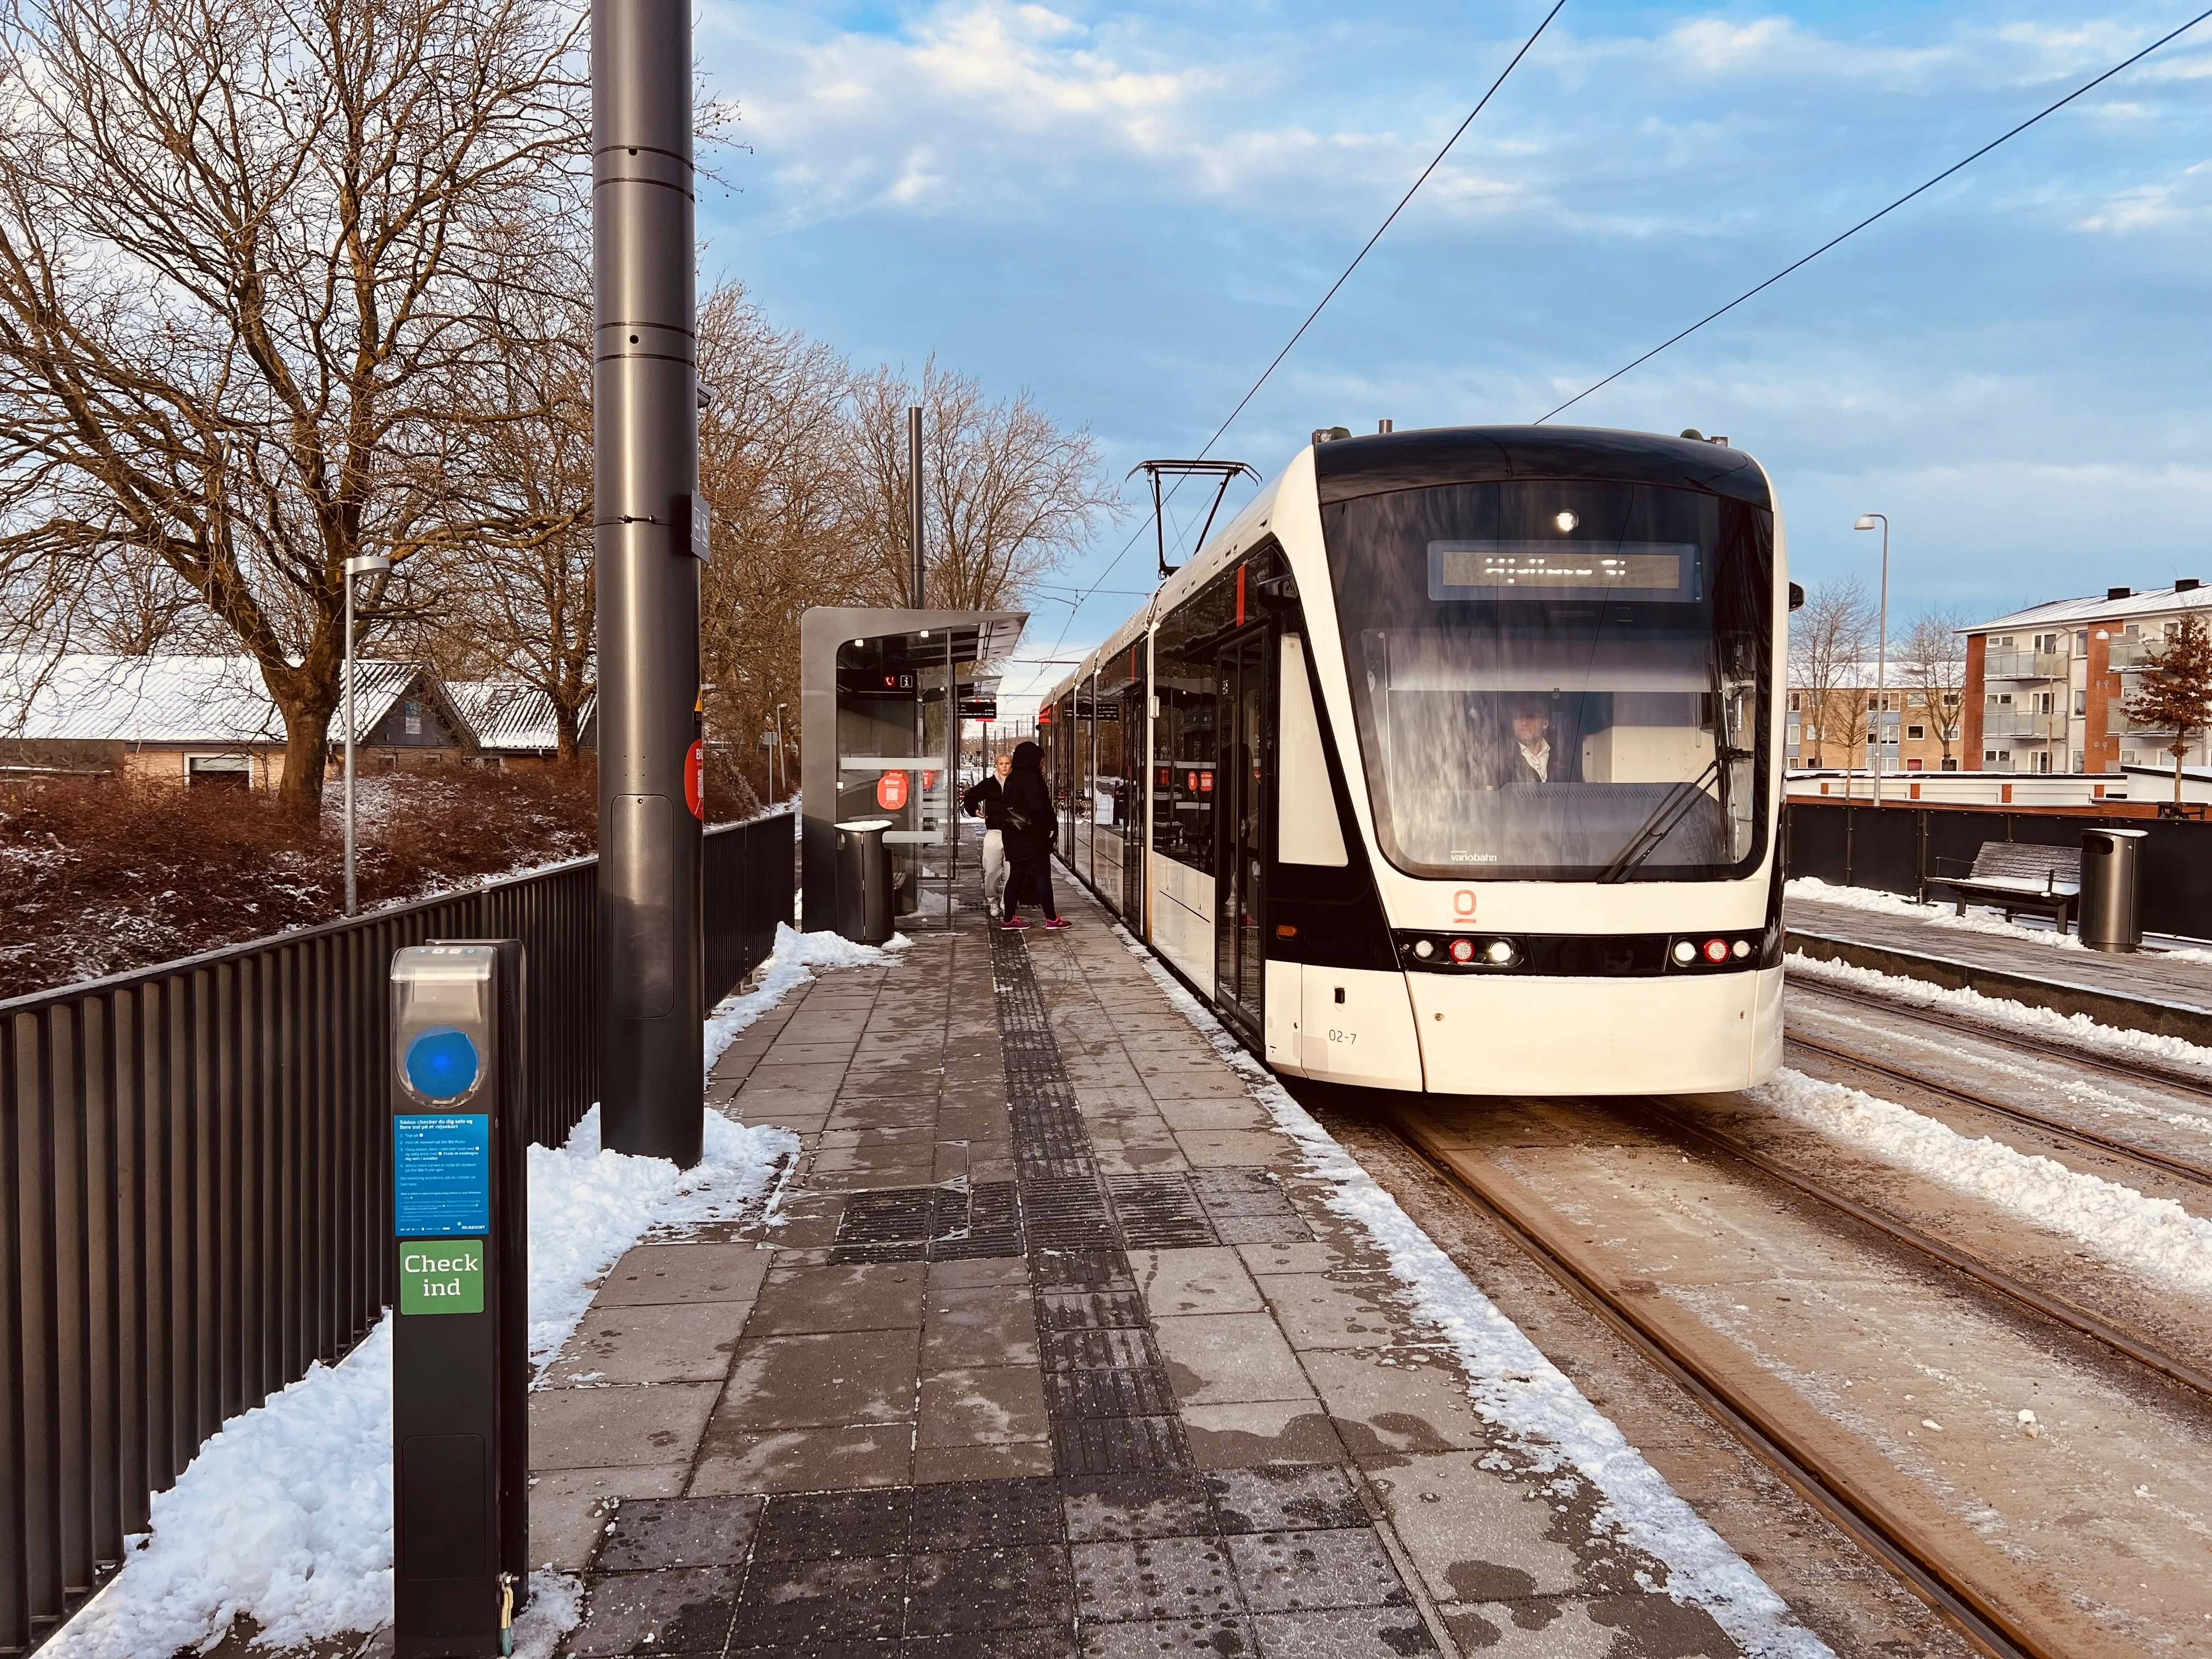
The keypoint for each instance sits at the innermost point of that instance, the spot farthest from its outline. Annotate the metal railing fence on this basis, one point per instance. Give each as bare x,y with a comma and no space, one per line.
195,1178
1900,849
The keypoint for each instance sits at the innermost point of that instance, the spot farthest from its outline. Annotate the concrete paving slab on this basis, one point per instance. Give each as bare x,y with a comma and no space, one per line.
805,1459
648,1534
660,1343
570,1510
978,1325
606,1428
1006,1460
1320,1312
1471,1537
1177,1578
1229,1358
1261,1431
1211,1279
1346,1567
683,1273
870,1296
1224,1637
685,1610
1413,1401
980,1405
841,1377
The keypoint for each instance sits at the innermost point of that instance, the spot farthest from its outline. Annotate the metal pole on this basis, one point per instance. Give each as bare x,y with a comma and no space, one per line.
780,707
1881,661
352,893
650,537
913,499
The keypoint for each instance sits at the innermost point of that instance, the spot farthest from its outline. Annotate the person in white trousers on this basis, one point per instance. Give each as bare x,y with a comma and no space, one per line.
986,801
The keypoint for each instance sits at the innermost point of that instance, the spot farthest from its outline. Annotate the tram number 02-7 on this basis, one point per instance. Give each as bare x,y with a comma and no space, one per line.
1343,1036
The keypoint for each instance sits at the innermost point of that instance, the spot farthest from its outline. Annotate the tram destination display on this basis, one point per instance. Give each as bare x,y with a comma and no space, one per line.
1521,569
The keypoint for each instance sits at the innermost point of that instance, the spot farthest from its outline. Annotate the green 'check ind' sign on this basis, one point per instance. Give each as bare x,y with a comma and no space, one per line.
441,1275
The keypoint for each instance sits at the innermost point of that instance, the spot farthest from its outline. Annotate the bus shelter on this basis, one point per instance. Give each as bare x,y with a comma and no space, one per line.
881,696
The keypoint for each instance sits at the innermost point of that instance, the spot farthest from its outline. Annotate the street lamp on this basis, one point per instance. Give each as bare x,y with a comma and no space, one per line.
368,564
1881,649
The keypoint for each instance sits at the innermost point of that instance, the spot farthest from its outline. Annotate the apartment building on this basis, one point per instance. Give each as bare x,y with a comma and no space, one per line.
1839,727
2047,688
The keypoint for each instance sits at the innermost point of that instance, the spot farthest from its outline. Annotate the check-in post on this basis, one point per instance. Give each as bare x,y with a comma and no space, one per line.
461,1354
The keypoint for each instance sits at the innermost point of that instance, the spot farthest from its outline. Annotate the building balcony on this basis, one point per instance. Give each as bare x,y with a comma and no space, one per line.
2023,723
2124,654
2026,664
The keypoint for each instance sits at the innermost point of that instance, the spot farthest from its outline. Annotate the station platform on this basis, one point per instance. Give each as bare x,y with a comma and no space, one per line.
1051,1346
2163,989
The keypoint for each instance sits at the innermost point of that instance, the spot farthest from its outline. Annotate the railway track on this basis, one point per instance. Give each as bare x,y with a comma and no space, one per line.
2197,1085
2130,1151
1810,1469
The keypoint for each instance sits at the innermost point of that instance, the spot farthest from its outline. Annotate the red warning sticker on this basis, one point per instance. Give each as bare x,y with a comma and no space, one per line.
694,782
891,791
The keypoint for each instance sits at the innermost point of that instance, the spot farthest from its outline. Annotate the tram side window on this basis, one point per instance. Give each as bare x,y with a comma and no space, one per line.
1186,734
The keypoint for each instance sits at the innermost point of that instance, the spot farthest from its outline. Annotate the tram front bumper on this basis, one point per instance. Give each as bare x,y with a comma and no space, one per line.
1674,1034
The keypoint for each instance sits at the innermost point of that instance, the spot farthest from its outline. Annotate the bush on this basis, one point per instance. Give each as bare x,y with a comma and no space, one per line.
99,876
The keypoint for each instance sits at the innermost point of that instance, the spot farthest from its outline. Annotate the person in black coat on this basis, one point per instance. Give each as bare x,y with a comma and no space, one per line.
1030,829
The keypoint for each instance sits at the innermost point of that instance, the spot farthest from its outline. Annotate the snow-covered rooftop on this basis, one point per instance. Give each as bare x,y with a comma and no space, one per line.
507,716
2096,608
219,700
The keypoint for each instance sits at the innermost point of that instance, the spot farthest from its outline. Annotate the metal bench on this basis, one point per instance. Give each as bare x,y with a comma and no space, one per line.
2015,875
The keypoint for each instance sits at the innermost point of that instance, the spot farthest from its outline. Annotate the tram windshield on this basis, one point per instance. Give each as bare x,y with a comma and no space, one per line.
1559,682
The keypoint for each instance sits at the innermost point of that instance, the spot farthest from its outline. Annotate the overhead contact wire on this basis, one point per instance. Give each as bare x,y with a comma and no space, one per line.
2087,86
1435,161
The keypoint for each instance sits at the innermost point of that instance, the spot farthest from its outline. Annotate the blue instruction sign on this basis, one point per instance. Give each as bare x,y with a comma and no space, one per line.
440,1174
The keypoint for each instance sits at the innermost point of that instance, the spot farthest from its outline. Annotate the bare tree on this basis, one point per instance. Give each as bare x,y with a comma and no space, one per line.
248,250
1007,493
2177,689
775,464
522,600
1829,640
1931,667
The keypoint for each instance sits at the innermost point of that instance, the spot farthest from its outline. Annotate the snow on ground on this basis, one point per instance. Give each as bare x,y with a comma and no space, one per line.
285,1516
2153,1237
1996,1011
788,965
1978,919
1511,1382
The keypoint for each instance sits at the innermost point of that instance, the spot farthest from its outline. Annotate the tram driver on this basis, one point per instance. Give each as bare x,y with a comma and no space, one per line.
1532,757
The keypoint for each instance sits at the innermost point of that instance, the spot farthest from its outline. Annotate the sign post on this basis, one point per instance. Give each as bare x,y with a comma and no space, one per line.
461,1363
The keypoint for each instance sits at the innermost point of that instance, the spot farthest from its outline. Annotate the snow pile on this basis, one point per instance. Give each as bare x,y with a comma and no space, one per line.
285,1516
587,1206
1511,1382
1997,1011
1977,920
788,965
2154,1237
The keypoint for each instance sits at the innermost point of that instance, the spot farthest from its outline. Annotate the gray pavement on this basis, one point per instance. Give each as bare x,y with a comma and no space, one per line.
1048,1349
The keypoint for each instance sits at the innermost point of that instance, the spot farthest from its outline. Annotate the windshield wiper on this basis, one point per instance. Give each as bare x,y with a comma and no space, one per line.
1671,808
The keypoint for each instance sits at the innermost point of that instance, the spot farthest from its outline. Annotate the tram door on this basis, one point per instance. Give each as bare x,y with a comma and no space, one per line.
1246,758
1136,773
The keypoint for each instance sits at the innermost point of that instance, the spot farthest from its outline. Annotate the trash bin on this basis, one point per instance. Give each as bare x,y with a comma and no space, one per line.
864,881
2112,881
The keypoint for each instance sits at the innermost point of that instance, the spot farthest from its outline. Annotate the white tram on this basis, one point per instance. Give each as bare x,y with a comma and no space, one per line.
1455,763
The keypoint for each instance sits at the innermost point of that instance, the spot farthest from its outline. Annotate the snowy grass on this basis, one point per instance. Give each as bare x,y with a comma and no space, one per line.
1511,1382
1978,919
284,1518
2007,1015
2154,1237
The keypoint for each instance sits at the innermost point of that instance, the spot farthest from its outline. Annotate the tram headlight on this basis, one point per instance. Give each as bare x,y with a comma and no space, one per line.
1684,952
1741,949
1462,950
1716,951
1500,951
1423,948
1566,521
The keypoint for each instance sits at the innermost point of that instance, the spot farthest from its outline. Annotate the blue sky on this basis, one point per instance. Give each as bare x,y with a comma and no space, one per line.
1127,210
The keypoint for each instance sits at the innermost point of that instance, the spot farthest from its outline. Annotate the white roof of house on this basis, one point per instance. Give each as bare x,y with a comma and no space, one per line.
507,716
2096,608
210,700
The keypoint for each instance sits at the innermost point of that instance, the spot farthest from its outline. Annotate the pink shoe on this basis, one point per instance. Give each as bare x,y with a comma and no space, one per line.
1059,922
1012,922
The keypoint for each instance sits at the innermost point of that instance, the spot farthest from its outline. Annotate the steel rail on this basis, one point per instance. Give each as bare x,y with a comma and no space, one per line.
2063,1310
2058,1127
2139,1071
1857,1513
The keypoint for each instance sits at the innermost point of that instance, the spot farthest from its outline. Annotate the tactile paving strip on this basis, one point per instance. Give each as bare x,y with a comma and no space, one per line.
1279,1562
1106,1394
